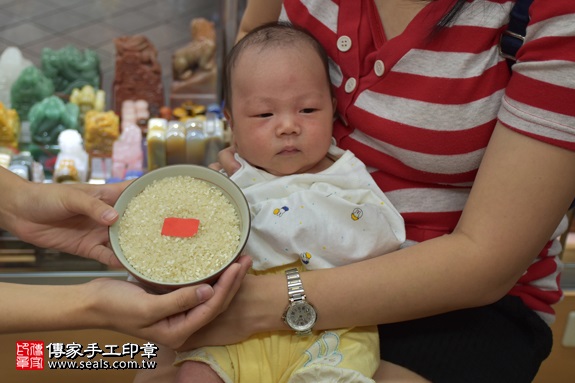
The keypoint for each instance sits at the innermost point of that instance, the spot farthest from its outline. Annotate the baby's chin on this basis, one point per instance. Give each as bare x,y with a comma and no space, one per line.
288,170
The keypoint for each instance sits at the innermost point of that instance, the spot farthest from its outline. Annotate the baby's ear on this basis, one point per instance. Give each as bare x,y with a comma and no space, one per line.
228,117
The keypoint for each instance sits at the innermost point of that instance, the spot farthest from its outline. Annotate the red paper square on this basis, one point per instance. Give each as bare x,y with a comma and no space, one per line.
180,227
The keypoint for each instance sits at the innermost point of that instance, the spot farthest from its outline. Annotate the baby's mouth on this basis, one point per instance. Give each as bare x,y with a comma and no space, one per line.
289,150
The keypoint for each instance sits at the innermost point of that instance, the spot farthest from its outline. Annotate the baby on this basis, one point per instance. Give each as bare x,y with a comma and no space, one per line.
313,206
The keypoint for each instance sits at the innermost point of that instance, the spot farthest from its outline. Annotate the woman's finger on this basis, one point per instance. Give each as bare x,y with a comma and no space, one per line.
80,202
183,299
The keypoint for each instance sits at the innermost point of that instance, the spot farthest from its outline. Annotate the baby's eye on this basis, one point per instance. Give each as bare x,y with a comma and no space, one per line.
308,110
264,115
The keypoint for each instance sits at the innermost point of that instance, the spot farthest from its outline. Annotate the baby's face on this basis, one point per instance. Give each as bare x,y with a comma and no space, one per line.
282,109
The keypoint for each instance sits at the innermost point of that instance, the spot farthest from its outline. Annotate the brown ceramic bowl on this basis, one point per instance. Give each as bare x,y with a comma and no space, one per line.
229,189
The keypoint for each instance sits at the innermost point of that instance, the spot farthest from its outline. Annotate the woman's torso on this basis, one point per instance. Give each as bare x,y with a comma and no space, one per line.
418,109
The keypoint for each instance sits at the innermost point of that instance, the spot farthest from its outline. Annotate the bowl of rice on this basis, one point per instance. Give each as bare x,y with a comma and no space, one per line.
180,225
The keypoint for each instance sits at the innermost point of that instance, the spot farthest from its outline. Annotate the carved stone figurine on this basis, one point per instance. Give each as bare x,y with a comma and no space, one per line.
138,73
199,54
12,63
9,127
70,68
101,129
30,87
194,69
87,98
51,116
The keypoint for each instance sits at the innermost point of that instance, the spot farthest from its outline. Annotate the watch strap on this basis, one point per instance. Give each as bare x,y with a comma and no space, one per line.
294,285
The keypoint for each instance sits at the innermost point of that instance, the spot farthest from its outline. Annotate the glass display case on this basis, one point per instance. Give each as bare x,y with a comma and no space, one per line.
166,24
21,262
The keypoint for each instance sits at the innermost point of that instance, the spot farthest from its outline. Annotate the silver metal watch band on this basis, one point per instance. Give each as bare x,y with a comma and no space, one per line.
295,285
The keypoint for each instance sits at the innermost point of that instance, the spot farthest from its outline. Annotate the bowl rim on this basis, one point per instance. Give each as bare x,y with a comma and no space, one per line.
195,171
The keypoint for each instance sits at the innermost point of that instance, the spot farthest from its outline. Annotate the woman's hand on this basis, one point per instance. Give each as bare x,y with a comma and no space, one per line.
166,319
69,218
251,311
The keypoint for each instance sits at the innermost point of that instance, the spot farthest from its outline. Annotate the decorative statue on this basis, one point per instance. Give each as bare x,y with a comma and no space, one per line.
138,75
72,160
198,55
50,117
101,129
70,68
12,63
135,112
187,110
127,153
30,87
88,99
9,127
194,68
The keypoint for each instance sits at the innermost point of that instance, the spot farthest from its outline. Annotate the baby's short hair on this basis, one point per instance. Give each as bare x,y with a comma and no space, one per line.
272,34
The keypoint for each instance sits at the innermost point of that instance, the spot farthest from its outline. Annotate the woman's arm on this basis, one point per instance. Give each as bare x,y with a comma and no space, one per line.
69,218
258,12
118,305
518,199
74,218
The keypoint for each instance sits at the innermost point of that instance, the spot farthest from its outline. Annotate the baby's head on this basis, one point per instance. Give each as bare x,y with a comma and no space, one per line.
279,100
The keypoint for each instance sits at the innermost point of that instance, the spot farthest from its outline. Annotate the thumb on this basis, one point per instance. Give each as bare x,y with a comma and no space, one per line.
83,203
184,299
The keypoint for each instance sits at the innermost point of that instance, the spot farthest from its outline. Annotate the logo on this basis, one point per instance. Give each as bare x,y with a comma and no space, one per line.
29,355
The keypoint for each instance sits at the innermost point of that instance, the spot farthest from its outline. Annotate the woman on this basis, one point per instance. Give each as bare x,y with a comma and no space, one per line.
476,159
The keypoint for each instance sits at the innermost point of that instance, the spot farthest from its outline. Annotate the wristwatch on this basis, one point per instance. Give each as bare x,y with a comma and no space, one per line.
300,315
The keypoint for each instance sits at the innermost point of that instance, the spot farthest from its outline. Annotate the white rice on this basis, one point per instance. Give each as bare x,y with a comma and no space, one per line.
175,259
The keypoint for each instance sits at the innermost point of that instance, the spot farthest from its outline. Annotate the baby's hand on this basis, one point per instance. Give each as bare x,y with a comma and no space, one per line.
226,161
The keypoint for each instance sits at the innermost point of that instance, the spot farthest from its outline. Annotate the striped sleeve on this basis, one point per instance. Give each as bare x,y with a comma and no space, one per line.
540,98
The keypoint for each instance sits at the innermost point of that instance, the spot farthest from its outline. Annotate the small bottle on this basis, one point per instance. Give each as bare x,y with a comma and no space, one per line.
214,131
175,143
156,142
195,141
22,164
5,157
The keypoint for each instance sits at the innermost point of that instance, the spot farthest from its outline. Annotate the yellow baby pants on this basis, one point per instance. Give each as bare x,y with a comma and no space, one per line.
342,356
348,355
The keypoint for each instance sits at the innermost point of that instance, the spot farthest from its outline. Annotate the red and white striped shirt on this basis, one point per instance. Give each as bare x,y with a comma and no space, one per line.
419,109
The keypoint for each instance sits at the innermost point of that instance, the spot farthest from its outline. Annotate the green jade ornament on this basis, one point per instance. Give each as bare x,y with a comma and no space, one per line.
70,68
50,117
30,87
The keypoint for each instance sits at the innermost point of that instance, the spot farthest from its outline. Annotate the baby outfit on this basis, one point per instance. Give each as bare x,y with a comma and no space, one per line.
309,221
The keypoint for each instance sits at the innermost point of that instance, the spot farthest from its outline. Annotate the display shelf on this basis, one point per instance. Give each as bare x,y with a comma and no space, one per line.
21,262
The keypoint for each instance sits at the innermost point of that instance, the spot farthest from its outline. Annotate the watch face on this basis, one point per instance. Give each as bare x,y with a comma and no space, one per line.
301,316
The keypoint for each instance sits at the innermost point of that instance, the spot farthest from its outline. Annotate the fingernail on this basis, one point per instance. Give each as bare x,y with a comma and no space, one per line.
204,292
109,215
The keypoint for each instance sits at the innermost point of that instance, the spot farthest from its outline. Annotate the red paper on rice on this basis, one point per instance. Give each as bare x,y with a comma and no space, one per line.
180,227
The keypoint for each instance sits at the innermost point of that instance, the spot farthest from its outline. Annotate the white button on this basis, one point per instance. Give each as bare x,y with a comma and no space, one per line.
350,85
344,43
379,68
